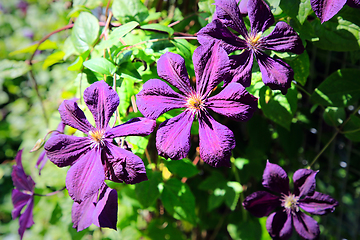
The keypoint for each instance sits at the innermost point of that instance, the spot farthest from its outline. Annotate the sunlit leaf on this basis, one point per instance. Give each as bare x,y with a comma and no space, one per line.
85,32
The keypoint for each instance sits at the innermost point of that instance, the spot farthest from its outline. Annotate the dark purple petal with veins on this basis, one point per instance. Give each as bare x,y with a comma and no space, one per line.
20,180
212,66
73,116
102,101
241,66
318,204
157,97
233,102
82,213
171,67
261,203
86,176
326,9
260,16
19,200
279,225
125,166
276,73
275,178
283,39
64,150
134,127
216,141
304,182
216,30
228,12
26,218
306,226
105,214
353,3
173,136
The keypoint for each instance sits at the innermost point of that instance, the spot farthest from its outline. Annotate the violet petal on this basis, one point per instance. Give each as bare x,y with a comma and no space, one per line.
326,9
106,211
261,203
73,116
20,180
19,200
173,136
243,7
134,127
216,141
279,225
304,182
260,16
275,178
306,226
318,204
26,218
157,97
353,3
241,66
82,213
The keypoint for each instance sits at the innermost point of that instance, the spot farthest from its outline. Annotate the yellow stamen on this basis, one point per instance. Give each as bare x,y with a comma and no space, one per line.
290,203
97,135
194,102
253,41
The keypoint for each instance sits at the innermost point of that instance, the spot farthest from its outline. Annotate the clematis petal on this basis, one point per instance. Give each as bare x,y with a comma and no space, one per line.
171,67
261,203
86,176
26,218
318,204
279,225
73,116
102,101
304,182
234,102
326,9
283,39
82,213
157,97
134,127
217,31
19,200
216,141
260,16
306,226
212,66
241,66
275,178
20,180
276,73
243,7
353,3
125,166
105,213
63,150
228,12
173,136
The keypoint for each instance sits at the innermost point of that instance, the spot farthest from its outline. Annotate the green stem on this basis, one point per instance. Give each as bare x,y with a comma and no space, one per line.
242,197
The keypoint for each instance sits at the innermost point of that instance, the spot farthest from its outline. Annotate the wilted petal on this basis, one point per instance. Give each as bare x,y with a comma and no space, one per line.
19,200
173,136
283,39
134,127
157,97
304,182
216,142
171,67
212,66
234,102
63,150
124,166
73,116
260,16
318,204
276,73
241,66
20,180
275,178
105,213
216,30
279,225
306,226
261,203
26,218
82,213
86,176
102,101
326,9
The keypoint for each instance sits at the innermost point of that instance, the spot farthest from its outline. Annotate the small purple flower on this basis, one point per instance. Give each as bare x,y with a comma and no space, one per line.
211,65
95,157
100,210
275,73
22,195
279,224
326,9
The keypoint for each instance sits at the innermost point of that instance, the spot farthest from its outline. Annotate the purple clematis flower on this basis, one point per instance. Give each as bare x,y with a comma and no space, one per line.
211,65
100,210
95,157
22,195
275,73
279,224
326,9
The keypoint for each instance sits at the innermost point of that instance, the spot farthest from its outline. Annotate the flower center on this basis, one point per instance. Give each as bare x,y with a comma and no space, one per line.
253,41
290,203
194,103
97,135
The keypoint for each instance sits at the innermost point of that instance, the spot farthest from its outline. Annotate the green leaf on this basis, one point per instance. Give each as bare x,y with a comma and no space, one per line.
182,168
340,89
216,199
53,58
299,9
130,10
240,162
207,6
77,64
101,65
232,195
126,90
301,67
147,192
158,27
216,180
352,129
128,70
249,229
47,44
183,47
334,116
13,69
85,32
178,200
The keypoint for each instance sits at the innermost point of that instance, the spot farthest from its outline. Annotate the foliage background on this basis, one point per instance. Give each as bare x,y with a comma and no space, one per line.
184,199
